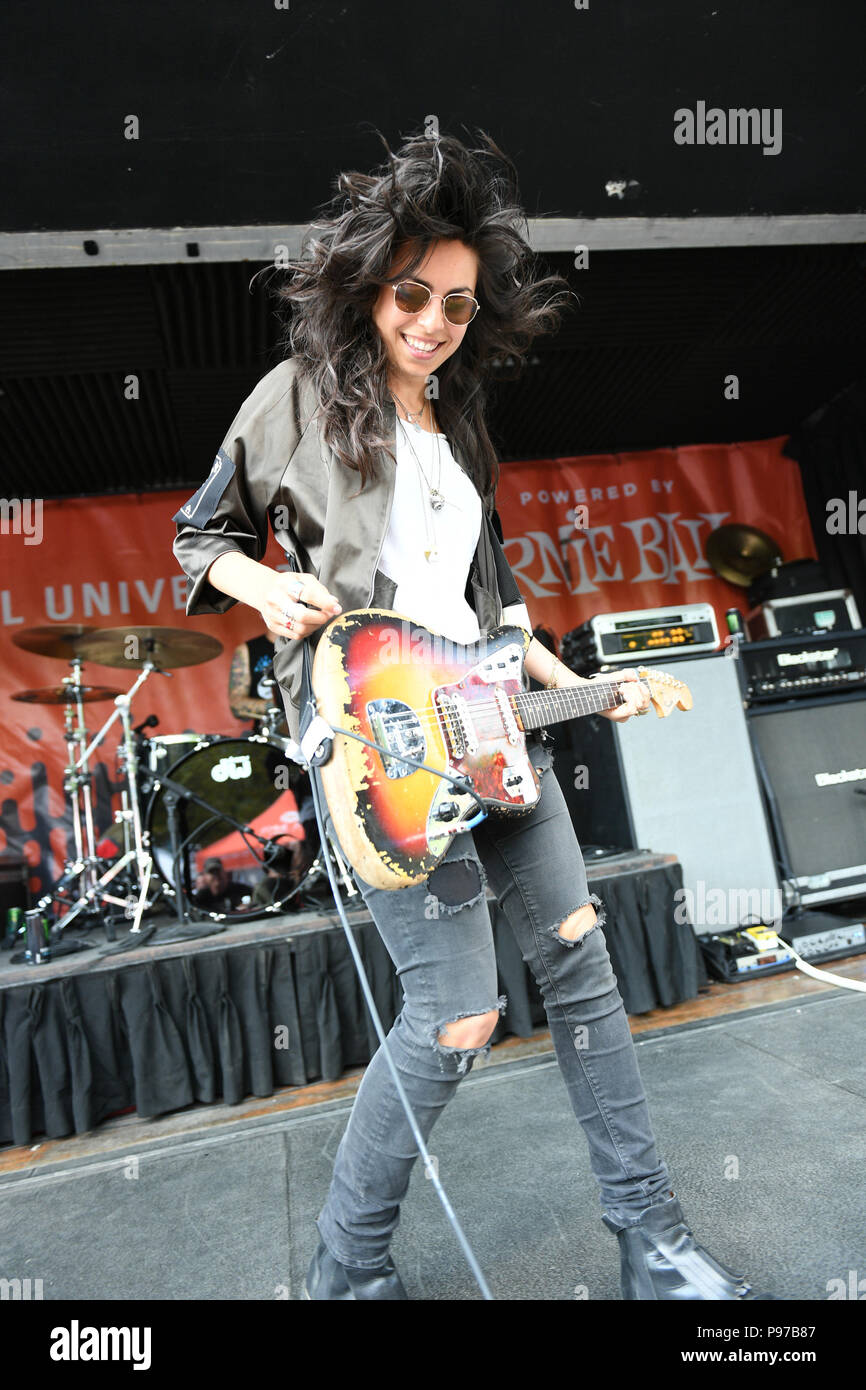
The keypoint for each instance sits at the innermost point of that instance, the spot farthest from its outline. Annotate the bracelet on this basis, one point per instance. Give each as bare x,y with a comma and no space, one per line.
553,683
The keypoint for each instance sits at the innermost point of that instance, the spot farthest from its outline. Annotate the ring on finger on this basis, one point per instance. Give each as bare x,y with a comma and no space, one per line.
298,590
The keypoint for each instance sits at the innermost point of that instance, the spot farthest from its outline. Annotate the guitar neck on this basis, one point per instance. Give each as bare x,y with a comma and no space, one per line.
538,708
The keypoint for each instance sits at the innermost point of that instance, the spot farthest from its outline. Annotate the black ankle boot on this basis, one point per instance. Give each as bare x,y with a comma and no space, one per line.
661,1259
328,1279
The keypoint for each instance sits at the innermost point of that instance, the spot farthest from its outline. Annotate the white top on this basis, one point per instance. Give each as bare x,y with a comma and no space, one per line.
432,594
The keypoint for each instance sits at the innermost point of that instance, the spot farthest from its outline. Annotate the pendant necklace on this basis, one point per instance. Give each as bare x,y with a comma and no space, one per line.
436,497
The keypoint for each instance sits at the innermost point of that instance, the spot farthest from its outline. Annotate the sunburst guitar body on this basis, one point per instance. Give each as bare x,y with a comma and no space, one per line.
461,710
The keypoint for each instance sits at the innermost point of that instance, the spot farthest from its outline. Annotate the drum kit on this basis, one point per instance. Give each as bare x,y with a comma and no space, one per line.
186,799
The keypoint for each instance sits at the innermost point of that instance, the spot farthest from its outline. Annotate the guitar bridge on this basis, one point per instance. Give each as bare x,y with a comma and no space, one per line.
397,727
456,724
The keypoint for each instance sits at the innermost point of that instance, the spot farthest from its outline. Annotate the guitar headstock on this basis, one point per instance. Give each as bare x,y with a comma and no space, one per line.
666,692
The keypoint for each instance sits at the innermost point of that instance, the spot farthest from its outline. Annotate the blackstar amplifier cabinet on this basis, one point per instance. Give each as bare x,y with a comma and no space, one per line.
811,756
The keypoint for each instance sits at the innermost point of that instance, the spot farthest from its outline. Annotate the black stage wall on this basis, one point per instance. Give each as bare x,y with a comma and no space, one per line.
248,108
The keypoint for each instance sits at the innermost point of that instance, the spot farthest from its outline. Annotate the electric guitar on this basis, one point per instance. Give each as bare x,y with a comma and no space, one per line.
458,709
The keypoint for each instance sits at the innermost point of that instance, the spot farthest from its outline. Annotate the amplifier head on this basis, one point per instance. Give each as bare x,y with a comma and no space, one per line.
804,665
622,638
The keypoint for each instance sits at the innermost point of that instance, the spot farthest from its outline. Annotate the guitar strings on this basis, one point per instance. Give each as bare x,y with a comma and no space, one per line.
429,715
565,696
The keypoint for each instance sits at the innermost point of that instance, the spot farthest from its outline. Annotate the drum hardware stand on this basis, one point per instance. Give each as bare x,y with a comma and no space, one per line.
41,946
343,870
162,648
77,785
94,894
171,810
271,719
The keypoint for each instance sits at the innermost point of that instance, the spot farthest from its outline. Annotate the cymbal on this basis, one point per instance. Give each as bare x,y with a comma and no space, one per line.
65,694
166,647
56,640
740,554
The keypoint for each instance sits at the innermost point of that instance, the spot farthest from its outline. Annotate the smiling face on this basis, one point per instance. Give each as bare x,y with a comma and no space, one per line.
418,344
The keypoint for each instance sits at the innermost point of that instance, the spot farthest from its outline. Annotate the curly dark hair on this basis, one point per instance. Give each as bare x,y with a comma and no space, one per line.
433,188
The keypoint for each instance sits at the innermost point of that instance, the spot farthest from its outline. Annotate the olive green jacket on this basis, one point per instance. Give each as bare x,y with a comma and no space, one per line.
273,457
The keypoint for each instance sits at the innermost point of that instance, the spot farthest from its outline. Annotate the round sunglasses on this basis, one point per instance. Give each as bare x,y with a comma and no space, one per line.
410,296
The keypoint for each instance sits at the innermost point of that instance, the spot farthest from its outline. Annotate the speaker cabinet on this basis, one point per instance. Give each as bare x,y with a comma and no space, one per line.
686,785
812,758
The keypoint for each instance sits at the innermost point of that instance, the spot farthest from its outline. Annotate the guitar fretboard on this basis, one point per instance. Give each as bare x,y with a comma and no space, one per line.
539,707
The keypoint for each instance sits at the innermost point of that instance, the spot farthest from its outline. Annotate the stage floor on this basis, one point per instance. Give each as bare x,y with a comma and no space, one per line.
226,1210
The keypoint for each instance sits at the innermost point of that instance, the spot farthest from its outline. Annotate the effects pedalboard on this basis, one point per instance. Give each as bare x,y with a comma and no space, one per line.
759,950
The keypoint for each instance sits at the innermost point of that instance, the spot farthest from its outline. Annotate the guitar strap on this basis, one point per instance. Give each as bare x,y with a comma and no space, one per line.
308,718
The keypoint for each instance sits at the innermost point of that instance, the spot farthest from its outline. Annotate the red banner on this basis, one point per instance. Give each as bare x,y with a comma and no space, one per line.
642,522
611,533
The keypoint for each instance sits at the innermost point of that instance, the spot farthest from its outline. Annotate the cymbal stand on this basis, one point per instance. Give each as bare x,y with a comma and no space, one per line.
77,785
138,852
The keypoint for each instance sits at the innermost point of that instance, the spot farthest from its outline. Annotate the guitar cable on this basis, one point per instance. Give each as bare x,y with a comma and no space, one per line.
319,804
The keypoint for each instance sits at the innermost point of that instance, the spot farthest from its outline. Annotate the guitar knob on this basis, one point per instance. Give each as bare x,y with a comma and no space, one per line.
447,810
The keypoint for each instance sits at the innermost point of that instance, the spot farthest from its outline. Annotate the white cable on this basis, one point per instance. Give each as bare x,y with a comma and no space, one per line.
808,969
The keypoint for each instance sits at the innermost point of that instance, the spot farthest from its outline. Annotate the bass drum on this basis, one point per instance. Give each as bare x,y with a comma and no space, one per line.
247,780
162,750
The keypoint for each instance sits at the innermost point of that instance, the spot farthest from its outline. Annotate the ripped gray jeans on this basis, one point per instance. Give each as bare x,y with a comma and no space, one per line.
440,939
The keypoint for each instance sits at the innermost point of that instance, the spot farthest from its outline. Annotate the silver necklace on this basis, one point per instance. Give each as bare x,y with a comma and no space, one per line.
437,501
437,498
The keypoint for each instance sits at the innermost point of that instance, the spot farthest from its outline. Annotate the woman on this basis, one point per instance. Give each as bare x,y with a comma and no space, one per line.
368,451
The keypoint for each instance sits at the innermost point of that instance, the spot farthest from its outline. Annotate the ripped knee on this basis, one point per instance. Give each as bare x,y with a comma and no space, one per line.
579,922
466,1036
470,1032
455,884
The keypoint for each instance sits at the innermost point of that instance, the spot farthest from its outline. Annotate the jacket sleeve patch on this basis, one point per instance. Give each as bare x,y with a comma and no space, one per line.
203,503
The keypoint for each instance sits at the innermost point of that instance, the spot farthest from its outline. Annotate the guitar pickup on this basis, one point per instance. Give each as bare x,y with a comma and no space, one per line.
509,722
